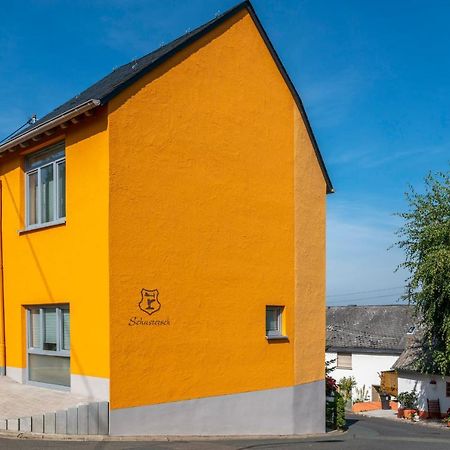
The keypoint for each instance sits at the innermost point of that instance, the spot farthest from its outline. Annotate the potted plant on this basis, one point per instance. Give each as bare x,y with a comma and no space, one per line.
408,404
446,419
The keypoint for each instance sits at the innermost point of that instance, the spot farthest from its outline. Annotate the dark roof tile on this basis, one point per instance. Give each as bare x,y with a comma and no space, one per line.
370,328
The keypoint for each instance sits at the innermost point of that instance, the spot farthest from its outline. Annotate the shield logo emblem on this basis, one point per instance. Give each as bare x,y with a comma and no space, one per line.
149,301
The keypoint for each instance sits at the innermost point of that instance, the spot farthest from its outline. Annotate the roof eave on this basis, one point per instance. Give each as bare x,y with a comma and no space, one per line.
105,99
160,60
48,125
247,5
350,349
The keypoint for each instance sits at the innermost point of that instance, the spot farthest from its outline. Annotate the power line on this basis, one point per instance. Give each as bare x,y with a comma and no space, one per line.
366,292
352,300
30,121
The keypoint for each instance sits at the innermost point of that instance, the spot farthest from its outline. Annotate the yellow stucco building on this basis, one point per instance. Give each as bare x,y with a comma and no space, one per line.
163,242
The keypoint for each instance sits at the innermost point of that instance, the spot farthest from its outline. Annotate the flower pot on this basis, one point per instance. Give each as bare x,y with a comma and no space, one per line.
408,413
400,412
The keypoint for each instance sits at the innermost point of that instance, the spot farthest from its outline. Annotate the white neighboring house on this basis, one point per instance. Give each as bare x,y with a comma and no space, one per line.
366,340
427,386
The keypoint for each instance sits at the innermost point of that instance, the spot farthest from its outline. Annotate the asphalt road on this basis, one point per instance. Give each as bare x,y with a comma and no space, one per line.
363,434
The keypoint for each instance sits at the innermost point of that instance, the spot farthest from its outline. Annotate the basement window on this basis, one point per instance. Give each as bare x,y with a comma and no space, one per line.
48,347
45,187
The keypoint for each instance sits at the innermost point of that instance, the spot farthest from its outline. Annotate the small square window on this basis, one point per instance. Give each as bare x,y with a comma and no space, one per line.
344,361
274,321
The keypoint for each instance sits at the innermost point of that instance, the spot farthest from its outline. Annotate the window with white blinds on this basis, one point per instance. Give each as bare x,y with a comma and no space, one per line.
35,328
49,345
344,360
50,329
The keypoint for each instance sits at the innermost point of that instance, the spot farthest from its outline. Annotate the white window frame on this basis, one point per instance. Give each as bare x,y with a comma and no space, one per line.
59,352
278,333
56,207
59,331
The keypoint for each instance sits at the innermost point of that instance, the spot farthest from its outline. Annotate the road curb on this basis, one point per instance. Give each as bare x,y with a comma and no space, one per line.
93,438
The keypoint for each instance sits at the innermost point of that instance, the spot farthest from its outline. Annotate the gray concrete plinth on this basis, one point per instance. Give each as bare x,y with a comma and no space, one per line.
37,423
13,424
50,423
93,418
72,421
61,422
25,424
83,419
103,418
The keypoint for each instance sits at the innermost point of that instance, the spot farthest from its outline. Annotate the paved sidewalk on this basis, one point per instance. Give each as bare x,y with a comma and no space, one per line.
21,400
382,413
392,415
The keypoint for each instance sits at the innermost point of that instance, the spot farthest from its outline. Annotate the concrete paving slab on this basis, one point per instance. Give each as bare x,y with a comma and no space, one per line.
22,400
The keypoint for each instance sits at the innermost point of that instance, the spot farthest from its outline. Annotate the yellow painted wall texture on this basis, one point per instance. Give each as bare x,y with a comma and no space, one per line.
202,208
200,181
310,212
63,264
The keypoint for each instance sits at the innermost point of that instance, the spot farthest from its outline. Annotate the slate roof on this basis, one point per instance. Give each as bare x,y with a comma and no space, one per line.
119,79
412,353
368,329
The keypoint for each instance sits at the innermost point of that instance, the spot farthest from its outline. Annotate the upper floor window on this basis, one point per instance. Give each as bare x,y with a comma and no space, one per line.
46,186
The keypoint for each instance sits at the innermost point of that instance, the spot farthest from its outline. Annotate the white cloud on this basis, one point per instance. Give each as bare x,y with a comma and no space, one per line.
371,157
358,259
329,101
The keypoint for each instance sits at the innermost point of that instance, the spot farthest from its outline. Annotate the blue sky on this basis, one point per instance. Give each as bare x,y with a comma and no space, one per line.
374,77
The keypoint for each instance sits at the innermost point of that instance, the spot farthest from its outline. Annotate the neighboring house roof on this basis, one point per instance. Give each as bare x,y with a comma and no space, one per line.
108,87
412,353
368,329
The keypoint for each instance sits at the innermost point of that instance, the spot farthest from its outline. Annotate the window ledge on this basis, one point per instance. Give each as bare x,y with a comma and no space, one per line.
277,338
42,226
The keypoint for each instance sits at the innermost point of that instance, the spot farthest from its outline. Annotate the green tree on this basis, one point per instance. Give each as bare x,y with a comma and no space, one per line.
425,239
